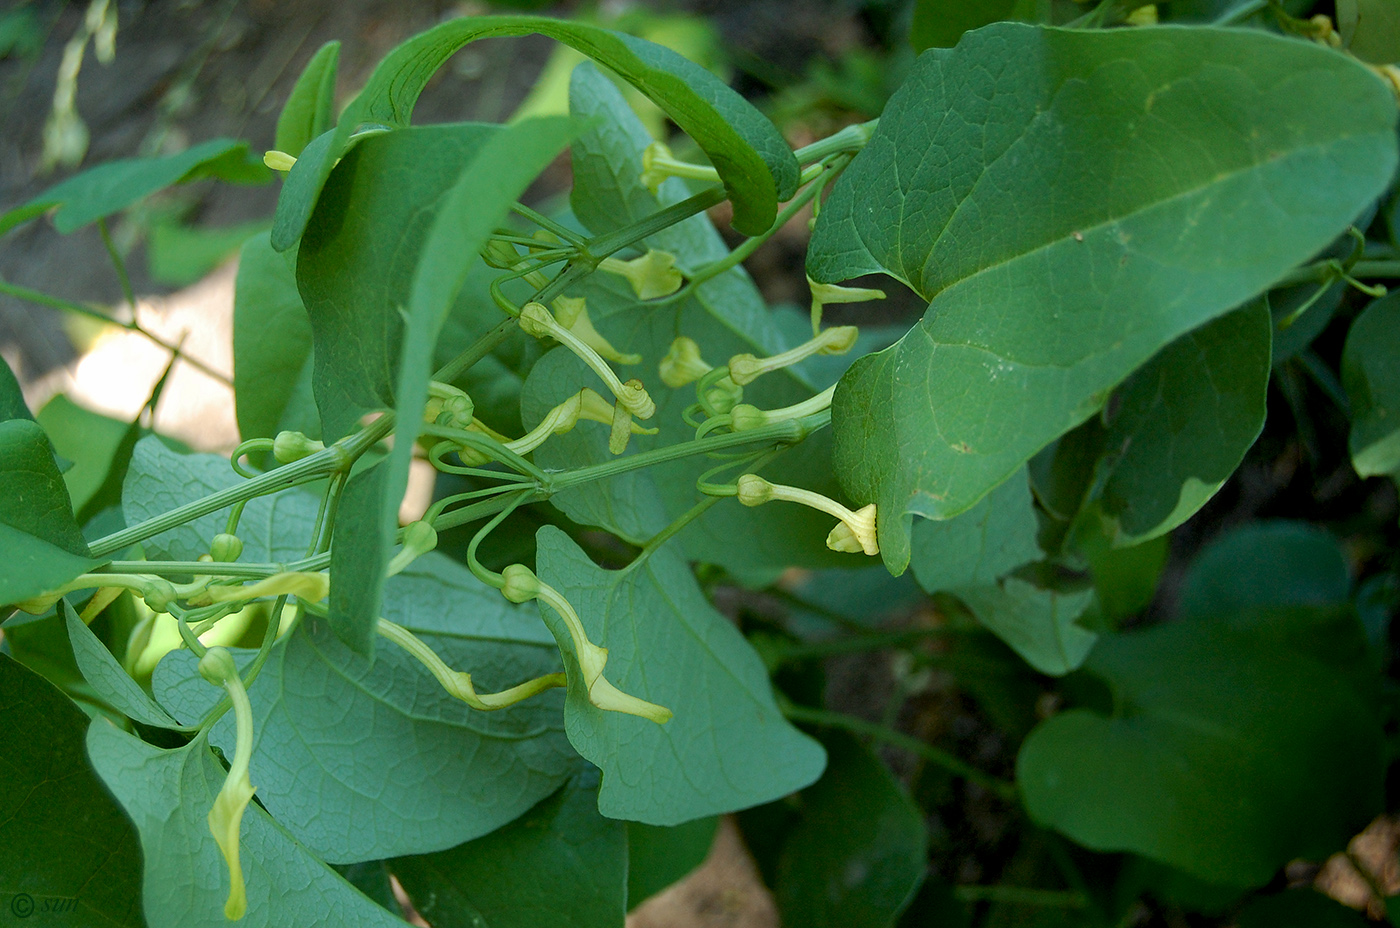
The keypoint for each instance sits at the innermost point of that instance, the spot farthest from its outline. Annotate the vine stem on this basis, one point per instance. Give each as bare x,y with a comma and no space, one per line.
954,765
81,309
1322,270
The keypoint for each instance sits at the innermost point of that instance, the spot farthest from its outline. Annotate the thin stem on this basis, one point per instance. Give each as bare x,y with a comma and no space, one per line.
604,245
119,264
334,459
1326,271
192,568
787,432
928,752
478,350
53,302
544,222
852,138
670,531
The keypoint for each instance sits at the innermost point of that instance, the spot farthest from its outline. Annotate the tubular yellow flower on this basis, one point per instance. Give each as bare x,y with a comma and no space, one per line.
520,586
572,313
683,364
306,585
856,531
536,320
744,416
834,293
226,816
745,368
652,275
658,164
457,683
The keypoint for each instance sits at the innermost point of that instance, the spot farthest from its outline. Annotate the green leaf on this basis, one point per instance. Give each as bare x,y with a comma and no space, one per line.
1268,563
1182,424
1125,579
12,405
168,794
753,160
107,678
112,187
991,539
90,440
1370,29
728,747
1299,908
1040,625
1371,374
1237,743
66,842
1085,199
858,855
940,23
310,107
658,857
362,761
360,541
356,265
561,864
178,254
41,544
271,345
273,528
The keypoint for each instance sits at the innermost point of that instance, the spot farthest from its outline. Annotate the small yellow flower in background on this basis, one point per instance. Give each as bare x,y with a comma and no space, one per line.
652,275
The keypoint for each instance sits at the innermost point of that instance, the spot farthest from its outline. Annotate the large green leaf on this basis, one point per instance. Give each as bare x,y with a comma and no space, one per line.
41,544
168,794
91,441
1237,743
859,852
1371,374
940,23
271,345
273,528
107,677
1182,423
1266,563
362,761
561,864
728,747
66,842
974,549
658,856
12,405
1082,200
1040,625
753,160
310,107
112,187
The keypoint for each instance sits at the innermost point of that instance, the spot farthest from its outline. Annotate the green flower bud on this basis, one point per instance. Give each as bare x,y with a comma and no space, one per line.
683,363
293,446
217,666
754,490
521,585
225,547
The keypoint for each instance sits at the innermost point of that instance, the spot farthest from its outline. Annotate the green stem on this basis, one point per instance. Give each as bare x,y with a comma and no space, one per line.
850,139
604,245
1326,271
1019,895
336,458
787,432
53,302
118,264
544,222
928,752
192,568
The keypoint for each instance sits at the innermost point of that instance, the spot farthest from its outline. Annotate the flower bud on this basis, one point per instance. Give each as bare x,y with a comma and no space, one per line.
158,594
278,160
500,255
225,547
217,666
724,395
521,585
744,417
293,446
754,490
